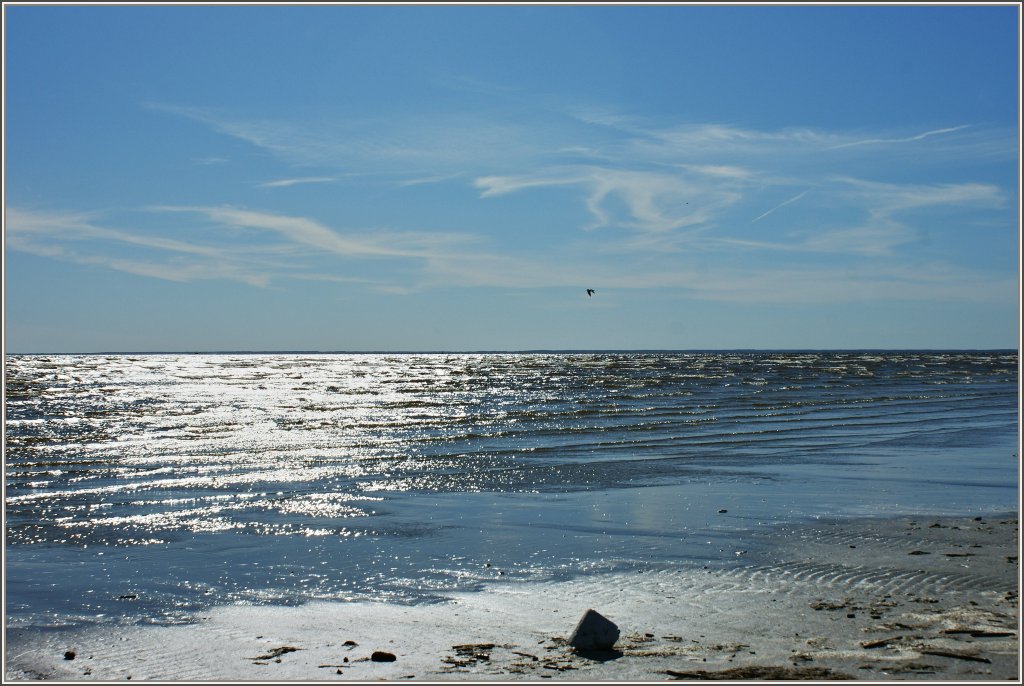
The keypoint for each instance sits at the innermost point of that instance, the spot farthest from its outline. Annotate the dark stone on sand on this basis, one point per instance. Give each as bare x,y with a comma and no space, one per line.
69,655
954,654
276,653
767,672
880,643
381,656
594,632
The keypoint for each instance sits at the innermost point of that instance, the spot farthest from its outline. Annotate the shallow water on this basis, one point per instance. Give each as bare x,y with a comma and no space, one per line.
142,487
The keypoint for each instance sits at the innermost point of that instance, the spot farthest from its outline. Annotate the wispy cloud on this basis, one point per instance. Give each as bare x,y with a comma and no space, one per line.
702,143
457,261
284,183
78,238
314,234
655,201
422,181
721,170
877,239
663,194
24,227
302,248
549,145
420,146
886,209
501,185
889,197
532,132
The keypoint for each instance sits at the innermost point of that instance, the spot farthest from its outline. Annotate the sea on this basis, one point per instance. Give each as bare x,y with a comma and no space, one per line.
145,488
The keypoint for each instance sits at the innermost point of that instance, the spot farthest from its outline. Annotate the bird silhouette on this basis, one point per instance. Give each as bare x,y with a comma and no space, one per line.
590,292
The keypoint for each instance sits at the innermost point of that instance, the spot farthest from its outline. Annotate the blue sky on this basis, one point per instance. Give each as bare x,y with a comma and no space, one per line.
340,177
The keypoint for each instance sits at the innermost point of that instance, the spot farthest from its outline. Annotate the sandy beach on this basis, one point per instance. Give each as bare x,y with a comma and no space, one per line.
914,598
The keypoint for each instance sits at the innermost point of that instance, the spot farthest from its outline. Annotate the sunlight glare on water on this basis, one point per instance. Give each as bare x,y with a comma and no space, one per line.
223,466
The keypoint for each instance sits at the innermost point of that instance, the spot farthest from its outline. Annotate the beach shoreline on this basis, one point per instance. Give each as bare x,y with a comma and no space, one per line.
907,598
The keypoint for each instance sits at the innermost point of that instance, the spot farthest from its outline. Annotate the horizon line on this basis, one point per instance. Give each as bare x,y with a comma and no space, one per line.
549,351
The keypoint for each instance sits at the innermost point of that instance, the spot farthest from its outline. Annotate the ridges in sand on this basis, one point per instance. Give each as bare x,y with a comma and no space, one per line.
874,612
909,555
837,576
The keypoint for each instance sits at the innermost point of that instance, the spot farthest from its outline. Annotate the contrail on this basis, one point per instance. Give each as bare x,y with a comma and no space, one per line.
899,140
793,199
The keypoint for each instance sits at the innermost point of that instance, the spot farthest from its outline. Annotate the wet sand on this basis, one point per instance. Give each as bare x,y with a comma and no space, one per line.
913,598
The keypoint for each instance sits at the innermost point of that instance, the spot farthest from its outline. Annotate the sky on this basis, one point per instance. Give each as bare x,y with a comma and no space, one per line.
448,177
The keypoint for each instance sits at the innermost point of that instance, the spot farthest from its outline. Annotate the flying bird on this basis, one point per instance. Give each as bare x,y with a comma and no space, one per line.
590,292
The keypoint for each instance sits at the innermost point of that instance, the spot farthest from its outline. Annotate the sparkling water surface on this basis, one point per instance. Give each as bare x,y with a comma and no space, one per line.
140,488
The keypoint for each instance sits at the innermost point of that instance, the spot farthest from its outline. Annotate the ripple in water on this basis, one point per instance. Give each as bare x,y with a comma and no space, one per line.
225,459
